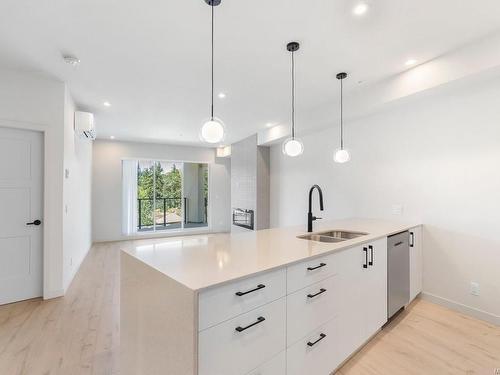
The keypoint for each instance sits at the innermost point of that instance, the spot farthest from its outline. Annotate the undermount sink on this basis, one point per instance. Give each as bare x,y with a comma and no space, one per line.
332,236
319,238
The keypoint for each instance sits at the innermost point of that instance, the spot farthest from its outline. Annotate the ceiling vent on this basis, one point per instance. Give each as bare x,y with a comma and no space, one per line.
84,125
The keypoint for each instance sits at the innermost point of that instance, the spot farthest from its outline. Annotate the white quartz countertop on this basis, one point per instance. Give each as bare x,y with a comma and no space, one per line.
203,261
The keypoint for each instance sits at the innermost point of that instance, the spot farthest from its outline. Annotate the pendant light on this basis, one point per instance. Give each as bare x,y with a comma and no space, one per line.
341,155
213,130
293,146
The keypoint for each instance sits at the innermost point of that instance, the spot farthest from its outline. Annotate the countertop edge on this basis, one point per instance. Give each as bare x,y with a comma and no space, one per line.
343,246
357,242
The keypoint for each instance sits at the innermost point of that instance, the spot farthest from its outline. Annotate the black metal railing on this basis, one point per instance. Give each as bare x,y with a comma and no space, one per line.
149,216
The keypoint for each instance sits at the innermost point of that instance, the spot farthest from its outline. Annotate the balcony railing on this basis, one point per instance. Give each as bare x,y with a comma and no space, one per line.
168,211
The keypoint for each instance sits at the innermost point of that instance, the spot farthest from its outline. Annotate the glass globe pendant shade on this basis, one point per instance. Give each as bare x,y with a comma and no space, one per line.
342,156
212,131
293,147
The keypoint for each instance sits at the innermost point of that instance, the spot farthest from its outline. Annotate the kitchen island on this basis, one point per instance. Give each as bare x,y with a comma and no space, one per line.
263,302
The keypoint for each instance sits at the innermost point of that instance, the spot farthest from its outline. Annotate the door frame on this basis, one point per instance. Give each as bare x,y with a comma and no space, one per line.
49,210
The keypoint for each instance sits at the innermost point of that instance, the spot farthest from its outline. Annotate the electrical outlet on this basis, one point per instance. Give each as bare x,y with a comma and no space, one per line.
474,288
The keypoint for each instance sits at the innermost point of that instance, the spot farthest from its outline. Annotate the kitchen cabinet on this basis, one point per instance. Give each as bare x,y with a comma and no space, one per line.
325,321
317,353
276,366
416,260
364,293
260,304
244,342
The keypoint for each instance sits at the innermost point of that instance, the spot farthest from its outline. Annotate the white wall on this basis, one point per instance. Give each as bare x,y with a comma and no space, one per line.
107,182
436,154
77,231
37,102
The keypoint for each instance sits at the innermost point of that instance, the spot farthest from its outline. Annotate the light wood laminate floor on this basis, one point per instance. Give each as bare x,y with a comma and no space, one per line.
79,333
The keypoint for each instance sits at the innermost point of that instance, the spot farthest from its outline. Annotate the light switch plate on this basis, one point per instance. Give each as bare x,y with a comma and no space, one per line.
397,209
474,288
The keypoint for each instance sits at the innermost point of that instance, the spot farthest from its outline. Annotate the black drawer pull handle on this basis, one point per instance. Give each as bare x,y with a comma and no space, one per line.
366,257
259,287
260,319
321,291
315,268
412,239
321,337
371,252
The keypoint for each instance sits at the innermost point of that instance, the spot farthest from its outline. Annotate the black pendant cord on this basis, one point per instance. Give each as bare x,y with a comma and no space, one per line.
212,105
293,96
341,115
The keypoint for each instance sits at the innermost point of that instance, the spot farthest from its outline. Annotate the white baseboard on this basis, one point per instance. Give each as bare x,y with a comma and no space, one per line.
467,310
53,294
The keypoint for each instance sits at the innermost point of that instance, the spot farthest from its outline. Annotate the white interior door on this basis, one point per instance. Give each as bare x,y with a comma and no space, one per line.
21,202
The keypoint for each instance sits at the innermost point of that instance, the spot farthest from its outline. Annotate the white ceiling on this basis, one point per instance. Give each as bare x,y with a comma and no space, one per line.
150,58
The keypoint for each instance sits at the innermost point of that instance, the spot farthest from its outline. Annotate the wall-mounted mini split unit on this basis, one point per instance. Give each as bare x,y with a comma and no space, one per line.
84,125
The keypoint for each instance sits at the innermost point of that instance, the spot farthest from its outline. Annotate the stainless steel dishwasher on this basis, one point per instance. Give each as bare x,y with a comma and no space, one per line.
398,272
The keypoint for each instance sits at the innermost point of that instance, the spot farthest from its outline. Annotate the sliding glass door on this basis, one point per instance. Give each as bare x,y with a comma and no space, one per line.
171,195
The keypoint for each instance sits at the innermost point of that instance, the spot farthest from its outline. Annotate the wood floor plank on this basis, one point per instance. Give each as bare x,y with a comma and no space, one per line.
79,334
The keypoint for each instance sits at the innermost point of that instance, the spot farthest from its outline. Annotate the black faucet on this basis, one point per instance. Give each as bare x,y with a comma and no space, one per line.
310,217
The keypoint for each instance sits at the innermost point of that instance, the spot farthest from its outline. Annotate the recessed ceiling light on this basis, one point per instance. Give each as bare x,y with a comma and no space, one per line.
106,104
222,95
410,62
71,60
112,137
360,9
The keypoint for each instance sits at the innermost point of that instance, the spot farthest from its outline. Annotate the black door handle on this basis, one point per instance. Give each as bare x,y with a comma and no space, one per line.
412,241
259,287
321,337
366,257
371,252
321,291
36,222
260,319
315,268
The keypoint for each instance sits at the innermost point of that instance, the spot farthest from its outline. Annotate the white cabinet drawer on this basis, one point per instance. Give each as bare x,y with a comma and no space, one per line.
225,302
309,272
276,366
311,307
315,354
231,348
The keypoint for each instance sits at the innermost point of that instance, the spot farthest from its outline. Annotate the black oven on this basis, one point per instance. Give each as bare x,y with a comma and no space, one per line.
243,218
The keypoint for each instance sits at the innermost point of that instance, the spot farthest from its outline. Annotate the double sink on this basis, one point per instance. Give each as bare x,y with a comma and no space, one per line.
332,236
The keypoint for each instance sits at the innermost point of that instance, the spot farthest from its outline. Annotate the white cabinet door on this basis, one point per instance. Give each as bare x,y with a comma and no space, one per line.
375,288
311,307
241,344
276,366
351,279
224,302
310,271
317,353
363,291
415,262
